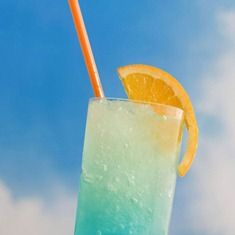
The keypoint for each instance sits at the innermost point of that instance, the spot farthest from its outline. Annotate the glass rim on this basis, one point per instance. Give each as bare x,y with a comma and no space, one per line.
161,109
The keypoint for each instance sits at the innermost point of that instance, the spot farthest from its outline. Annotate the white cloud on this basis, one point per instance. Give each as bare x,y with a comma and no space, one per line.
212,211
34,216
227,19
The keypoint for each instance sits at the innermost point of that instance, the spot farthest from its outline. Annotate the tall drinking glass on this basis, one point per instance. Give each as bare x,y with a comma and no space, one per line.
129,168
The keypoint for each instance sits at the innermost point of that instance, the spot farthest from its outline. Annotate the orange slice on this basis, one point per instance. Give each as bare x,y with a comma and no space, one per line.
150,84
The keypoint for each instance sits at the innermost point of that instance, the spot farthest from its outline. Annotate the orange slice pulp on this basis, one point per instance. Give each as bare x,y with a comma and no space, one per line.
149,84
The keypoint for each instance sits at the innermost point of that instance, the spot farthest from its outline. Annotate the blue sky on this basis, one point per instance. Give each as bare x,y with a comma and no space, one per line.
44,90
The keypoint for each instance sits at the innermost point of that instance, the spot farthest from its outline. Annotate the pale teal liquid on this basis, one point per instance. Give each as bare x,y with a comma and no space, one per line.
128,171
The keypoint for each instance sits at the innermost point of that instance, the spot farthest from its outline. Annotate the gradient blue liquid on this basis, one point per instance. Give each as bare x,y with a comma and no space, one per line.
128,171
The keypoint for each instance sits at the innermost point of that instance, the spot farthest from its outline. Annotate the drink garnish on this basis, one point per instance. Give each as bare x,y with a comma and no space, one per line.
149,84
